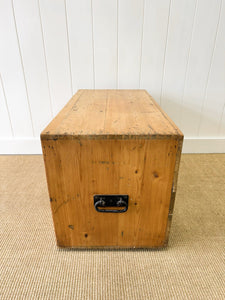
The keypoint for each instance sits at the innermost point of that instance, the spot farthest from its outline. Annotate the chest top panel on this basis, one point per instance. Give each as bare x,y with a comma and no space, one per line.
111,114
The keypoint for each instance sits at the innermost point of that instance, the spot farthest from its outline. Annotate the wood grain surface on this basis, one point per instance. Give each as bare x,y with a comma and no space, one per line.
111,114
93,147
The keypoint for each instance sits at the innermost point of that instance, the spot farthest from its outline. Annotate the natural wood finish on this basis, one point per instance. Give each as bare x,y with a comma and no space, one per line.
111,114
173,190
112,142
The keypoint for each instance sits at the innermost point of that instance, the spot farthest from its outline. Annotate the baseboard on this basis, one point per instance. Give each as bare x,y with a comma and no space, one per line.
204,145
20,146
33,145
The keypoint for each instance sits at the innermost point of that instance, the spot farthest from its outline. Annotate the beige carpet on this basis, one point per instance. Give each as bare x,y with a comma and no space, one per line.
192,267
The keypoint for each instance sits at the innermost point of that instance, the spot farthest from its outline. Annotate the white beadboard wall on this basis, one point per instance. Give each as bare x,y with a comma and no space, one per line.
175,49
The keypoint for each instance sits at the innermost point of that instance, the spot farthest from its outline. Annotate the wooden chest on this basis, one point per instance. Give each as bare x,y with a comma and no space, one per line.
112,159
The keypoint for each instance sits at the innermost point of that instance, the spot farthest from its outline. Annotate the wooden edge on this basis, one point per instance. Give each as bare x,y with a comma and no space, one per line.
132,248
62,113
43,144
165,115
173,190
54,137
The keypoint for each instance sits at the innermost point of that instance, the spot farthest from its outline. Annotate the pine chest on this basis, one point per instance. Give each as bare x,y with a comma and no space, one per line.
111,160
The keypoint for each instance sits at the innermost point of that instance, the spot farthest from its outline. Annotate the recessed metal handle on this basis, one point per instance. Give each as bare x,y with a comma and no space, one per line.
103,201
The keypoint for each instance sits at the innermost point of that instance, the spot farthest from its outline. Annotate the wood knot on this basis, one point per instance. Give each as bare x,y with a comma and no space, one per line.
155,174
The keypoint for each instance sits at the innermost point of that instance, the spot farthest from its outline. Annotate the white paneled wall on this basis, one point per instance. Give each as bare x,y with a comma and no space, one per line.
175,49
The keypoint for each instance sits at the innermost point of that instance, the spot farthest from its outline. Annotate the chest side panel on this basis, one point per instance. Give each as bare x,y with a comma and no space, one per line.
78,169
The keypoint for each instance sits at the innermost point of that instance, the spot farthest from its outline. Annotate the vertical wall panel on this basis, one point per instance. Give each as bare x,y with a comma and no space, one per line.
79,15
221,129
201,52
130,33
176,56
31,43
12,73
215,92
105,43
172,48
5,121
53,17
156,16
